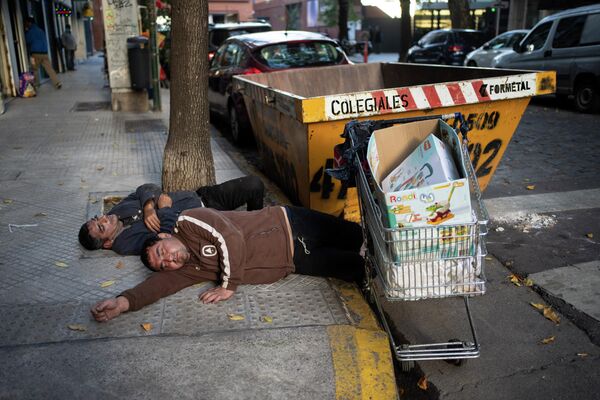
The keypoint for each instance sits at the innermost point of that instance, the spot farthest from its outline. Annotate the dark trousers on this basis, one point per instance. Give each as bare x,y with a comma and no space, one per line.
70,56
325,245
235,193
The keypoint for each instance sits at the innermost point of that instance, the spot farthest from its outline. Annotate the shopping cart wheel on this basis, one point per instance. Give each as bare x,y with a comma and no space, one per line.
459,345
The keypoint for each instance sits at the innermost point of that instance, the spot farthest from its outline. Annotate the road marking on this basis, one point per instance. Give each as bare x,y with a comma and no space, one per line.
512,208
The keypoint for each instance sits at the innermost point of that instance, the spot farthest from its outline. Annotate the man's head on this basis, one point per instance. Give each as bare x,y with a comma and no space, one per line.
67,27
100,232
28,22
164,253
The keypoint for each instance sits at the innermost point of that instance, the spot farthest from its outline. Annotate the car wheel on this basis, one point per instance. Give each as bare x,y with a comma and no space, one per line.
236,128
471,64
587,98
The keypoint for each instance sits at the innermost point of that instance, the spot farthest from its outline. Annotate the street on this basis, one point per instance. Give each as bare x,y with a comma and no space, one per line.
542,202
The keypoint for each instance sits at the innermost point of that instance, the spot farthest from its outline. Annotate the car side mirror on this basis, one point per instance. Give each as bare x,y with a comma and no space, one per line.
517,47
486,46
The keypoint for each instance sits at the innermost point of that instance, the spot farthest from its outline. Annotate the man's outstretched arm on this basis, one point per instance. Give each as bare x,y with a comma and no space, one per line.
110,308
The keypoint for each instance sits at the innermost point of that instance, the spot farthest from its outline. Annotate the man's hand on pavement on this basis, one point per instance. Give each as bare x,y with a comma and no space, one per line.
216,294
164,200
109,309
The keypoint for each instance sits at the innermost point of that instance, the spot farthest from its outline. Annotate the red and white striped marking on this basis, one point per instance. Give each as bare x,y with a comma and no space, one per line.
425,97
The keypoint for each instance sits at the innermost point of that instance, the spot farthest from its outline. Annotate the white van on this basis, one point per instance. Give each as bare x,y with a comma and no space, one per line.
569,43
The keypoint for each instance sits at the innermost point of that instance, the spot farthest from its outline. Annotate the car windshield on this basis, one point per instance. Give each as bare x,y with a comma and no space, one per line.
474,39
299,54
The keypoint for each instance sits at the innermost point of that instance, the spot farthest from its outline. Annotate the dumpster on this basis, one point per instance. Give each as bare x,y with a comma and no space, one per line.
298,115
138,54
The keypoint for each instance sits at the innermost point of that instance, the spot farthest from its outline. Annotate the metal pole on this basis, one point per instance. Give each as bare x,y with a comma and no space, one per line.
499,10
154,57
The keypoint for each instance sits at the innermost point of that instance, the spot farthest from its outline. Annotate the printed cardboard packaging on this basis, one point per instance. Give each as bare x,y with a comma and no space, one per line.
446,203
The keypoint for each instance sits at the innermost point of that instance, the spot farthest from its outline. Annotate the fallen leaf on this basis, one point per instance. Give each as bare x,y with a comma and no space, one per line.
266,319
107,284
530,187
489,258
120,265
548,340
539,306
422,384
147,326
41,215
551,315
236,317
61,264
582,355
60,183
77,327
590,235
82,180
528,282
508,263
515,280
100,168
499,229
7,201
401,391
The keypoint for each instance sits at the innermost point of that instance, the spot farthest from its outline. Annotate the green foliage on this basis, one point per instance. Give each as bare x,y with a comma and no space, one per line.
329,12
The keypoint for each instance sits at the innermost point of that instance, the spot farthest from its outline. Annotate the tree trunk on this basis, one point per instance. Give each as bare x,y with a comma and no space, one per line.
188,161
343,19
460,14
405,29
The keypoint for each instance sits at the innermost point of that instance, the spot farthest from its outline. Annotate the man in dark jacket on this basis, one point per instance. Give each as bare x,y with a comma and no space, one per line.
237,247
35,38
148,211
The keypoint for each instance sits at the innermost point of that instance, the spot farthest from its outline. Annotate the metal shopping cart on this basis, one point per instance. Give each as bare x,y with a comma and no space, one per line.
418,262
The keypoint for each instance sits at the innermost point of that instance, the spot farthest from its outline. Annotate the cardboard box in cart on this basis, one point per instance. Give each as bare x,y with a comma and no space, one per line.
445,203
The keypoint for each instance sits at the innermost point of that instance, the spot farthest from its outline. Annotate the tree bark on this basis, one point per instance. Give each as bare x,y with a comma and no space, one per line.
405,29
460,14
343,19
187,160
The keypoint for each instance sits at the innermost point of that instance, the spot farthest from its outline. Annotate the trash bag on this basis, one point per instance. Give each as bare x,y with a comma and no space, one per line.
26,88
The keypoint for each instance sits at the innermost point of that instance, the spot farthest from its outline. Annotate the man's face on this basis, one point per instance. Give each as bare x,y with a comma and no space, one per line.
167,255
103,227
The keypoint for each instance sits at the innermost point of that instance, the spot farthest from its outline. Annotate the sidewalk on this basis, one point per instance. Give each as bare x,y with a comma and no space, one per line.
60,154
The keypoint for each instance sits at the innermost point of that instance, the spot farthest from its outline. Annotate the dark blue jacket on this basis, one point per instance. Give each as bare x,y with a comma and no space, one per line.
36,40
131,239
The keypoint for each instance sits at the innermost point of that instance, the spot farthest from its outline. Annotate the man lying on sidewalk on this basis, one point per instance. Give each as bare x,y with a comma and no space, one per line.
237,247
148,211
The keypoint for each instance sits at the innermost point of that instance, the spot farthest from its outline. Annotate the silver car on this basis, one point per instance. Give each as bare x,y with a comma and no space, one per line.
569,43
483,56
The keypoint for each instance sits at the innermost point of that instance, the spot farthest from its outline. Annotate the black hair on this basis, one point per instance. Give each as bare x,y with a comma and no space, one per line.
87,240
30,19
147,244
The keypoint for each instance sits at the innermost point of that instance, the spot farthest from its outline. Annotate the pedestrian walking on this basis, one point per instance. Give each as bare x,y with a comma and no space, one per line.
70,45
376,38
38,51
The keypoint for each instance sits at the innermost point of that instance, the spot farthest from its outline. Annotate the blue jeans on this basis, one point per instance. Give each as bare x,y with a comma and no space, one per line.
325,245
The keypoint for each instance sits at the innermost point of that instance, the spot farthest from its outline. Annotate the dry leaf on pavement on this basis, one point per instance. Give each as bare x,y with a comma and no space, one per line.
236,317
266,319
551,315
539,306
530,187
528,282
489,258
41,214
422,384
515,280
7,201
61,264
582,355
590,235
77,327
107,284
548,340
120,265
100,168
147,326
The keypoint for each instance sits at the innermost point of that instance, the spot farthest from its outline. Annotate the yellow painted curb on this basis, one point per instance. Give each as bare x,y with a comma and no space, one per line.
361,353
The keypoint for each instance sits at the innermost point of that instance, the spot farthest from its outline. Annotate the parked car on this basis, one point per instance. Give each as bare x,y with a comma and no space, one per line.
257,53
483,56
569,43
445,46
218,33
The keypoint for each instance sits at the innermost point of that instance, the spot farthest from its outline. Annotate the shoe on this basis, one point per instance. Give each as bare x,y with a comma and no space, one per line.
58,85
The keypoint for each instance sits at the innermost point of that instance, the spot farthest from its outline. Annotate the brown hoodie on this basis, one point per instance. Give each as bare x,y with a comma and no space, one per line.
229,247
